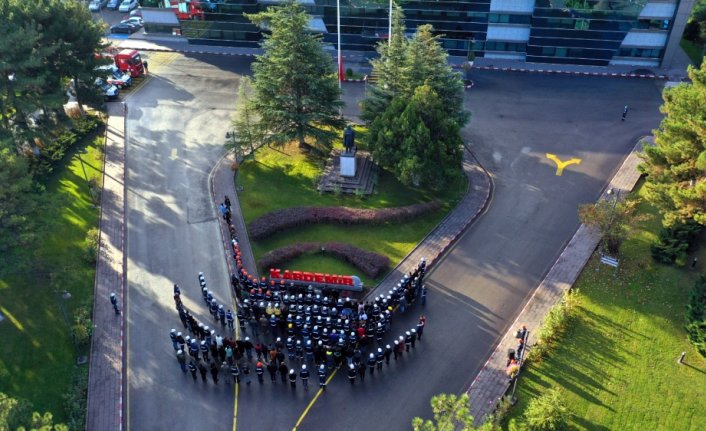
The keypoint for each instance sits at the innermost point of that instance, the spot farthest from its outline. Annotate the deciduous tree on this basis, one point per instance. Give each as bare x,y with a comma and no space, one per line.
450,414
613,218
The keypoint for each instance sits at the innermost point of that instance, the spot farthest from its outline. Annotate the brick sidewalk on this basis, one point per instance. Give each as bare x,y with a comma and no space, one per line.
491,383
105,378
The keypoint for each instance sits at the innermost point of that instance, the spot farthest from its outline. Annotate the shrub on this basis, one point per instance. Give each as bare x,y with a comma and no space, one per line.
369,263
75,400
555,324
696,316
547,412
82,328
675,242
277,221
90,245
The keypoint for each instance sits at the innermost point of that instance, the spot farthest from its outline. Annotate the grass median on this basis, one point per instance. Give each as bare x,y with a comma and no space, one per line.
37,356
284,178
616,366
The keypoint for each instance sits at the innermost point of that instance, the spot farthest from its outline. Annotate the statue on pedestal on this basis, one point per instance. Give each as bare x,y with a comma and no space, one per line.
349,139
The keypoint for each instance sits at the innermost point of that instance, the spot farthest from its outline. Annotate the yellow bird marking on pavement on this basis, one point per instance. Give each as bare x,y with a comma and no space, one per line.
561,165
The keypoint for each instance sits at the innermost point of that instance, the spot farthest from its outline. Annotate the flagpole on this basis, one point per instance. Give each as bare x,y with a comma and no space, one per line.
338,33
389,28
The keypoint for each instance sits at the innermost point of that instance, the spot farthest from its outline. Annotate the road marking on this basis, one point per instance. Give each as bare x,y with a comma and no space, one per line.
311,404
173,154
561,165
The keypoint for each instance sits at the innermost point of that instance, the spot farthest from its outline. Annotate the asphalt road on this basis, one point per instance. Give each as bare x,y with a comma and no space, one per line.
482,283
176,122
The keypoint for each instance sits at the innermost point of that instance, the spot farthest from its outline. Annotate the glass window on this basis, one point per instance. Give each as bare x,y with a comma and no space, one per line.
560,52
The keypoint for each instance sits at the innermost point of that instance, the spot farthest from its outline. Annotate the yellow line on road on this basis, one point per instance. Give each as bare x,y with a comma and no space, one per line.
313,401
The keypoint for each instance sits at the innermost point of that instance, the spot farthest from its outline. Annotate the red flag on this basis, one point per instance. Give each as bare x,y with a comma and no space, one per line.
341,72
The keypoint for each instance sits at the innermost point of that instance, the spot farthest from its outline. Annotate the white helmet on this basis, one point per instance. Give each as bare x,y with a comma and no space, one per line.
304,367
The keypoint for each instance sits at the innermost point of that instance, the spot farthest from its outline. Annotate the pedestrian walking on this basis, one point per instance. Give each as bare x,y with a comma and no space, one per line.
230,319
420,327
322,376
361,372
352,374
173,337
235,372
193,369
625,113
114,302
204,351
181,358
379,356
246,373
407,341
224,210
424,295
413,332
226,201
371,363
260,371
293,378
283,371
272,369
203,370
214,372
403,304
304,375
388,353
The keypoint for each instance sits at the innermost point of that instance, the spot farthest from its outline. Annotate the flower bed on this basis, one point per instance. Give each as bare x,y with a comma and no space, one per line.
369,263
287,218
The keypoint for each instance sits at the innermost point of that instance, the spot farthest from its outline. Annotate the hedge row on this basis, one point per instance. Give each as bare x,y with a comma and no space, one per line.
53,150
287,218
369,263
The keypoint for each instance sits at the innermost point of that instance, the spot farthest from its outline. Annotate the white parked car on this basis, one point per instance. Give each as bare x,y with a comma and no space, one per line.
97,5
128,5
134,20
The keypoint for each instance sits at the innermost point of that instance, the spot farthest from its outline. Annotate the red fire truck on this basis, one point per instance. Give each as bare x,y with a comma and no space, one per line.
127,60
185,9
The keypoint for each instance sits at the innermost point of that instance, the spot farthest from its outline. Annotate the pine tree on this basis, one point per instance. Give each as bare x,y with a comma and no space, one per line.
416,140
246,129
676,165
426,63
296,89
389,69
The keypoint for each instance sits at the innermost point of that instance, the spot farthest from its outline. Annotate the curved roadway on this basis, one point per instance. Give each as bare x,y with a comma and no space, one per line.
177,123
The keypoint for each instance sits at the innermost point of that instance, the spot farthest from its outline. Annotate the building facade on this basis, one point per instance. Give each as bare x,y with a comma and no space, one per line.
585,32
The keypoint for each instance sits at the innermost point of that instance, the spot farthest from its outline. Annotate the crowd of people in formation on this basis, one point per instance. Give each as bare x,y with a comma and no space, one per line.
294,332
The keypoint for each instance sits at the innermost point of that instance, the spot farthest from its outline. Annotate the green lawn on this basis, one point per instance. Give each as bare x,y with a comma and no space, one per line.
283,178
617,364
36,353
693,50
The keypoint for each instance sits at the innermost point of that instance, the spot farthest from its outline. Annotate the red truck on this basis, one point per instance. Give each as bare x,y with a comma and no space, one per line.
185,10
127,60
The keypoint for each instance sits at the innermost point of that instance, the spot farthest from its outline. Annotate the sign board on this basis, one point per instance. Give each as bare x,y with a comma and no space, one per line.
317,279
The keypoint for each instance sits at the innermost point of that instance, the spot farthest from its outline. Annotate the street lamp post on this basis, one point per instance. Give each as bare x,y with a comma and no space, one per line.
338,34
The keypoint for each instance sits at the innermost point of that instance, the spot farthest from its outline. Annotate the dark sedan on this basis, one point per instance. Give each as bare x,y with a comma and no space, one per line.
124,27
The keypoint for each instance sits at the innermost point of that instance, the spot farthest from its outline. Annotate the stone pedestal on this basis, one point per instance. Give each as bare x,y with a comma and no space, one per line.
348,165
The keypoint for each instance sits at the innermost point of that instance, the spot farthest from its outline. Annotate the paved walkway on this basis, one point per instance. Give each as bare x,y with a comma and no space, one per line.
105,378
492,383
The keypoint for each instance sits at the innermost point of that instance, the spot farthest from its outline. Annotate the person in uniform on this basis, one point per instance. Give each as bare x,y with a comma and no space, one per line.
304,375
293,378
379,356
352,374
371,363
193,369
260,371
